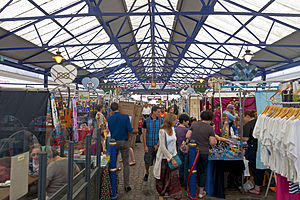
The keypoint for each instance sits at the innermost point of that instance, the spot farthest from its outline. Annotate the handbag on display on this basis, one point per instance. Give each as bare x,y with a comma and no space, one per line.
176,157
184,147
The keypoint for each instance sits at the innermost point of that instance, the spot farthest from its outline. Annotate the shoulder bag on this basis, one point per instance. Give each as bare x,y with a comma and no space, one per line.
184,147
176,157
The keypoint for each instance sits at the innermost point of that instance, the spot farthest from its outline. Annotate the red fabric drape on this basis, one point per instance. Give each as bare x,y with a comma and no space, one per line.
249,102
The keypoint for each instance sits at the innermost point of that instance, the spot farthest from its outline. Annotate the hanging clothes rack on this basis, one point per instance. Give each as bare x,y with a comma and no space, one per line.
274,102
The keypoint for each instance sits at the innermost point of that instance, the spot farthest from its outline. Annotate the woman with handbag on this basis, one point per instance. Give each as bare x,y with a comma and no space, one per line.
167,161
183,148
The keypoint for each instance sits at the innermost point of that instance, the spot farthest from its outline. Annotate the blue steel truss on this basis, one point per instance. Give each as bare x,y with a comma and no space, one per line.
158,54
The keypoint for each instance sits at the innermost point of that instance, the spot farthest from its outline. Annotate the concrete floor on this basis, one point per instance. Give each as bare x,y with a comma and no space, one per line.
147,191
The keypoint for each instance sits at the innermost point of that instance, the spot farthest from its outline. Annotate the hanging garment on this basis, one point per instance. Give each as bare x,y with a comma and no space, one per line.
261,102
282,190
293,188
75,119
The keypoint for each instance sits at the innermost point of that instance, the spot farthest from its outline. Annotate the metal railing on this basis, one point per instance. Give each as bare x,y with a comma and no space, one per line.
85,185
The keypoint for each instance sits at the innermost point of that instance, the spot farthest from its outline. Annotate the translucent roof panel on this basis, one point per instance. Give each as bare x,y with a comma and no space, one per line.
162,24
243,29
75,32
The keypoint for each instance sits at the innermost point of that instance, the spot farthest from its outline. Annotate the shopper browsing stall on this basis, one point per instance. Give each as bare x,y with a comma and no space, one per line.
151,128
34,161
57,171
167,180
192,121
101,122
231,114
250,154
203,134
181,131
120,128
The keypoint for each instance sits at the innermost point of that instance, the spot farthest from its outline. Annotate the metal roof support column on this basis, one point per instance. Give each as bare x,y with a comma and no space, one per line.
264,75
45,81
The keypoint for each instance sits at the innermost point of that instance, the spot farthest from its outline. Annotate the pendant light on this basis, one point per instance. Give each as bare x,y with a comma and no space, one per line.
248,55
58,57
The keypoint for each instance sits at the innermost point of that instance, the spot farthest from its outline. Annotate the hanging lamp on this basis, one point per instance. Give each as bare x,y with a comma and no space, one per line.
58,57
248,55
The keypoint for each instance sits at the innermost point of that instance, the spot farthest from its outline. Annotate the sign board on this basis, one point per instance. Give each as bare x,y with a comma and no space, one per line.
19,176
83,96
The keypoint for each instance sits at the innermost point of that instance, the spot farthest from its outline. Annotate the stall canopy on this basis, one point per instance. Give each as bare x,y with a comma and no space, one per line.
136,41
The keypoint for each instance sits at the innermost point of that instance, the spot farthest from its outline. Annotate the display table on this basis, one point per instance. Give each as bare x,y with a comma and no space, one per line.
4,191
222,158
214,186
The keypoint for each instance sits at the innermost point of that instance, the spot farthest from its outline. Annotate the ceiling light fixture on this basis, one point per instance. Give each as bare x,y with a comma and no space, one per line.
105,80
248,55
58,57
201,80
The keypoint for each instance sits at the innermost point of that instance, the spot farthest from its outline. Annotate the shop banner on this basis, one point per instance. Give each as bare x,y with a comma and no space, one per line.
75,120
55,120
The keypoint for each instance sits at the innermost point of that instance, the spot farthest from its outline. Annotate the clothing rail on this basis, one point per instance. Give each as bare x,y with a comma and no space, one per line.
263,87
284,103
274,102
262,82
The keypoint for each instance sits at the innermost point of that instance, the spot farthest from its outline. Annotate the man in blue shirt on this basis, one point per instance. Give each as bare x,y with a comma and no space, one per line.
151,128
231,114
120,127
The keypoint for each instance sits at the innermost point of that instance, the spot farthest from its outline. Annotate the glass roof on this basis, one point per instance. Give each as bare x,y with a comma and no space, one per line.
230,29
62,31
220,41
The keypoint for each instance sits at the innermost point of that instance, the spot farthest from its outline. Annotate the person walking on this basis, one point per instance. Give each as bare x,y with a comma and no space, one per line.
203,134
120,128
151,128
167,179
101,126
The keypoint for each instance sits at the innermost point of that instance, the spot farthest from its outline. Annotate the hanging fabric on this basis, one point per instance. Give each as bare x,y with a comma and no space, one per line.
55,120
75,129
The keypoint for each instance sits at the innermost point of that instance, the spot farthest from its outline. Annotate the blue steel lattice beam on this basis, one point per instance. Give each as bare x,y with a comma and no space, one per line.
189,40
61,44
112,37
176,13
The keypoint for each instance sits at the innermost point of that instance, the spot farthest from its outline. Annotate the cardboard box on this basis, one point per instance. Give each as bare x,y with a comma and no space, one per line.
126,108
133,111
136,117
